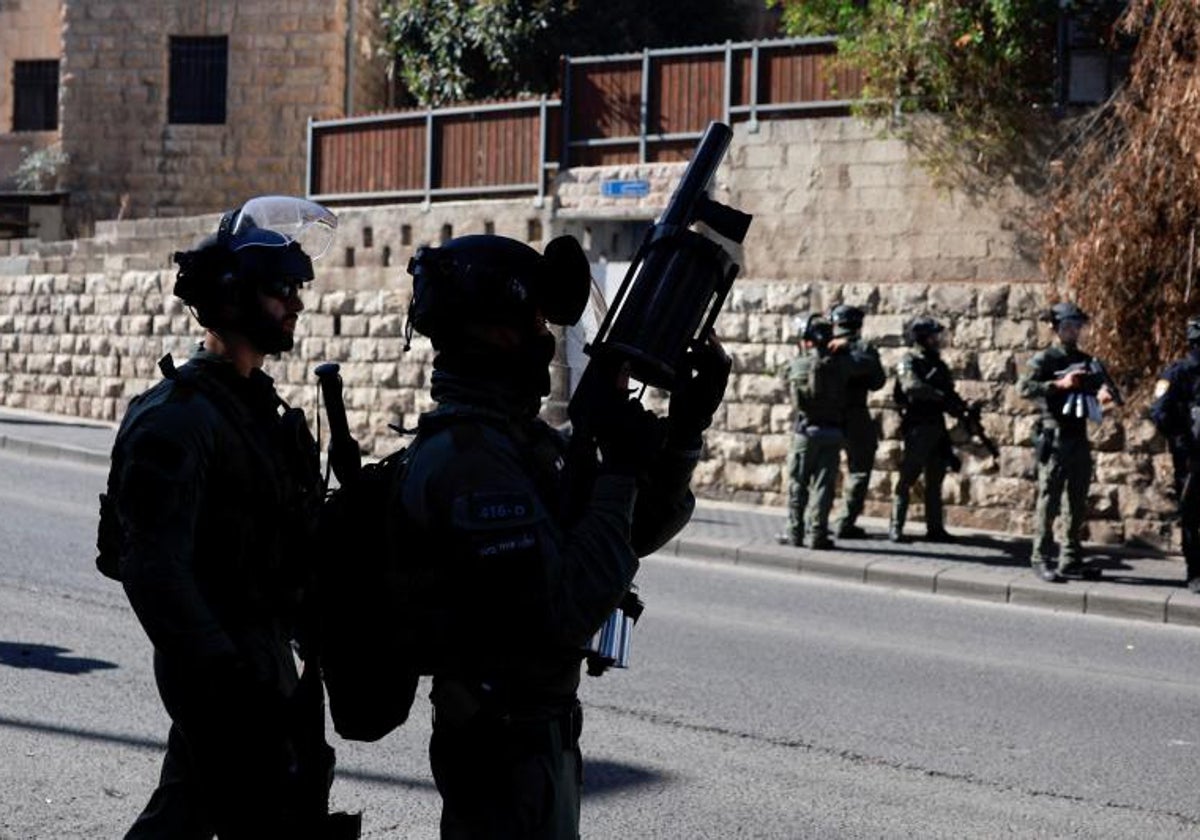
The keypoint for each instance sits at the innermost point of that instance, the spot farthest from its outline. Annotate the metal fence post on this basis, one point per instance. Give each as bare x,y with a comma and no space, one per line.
727,98
543,127
428,158
644,111
752,127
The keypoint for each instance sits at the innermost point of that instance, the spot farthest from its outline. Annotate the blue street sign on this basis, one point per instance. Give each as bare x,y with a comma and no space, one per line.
625,189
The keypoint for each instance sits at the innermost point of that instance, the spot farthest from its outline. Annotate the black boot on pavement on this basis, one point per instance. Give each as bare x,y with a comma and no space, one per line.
850,532
940,535
822,543
789,539
1047,572
1193,585
896,534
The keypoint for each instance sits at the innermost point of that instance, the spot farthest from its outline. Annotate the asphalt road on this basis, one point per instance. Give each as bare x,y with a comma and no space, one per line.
760,704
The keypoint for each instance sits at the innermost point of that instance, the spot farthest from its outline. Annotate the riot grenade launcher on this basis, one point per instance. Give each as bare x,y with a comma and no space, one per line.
666,305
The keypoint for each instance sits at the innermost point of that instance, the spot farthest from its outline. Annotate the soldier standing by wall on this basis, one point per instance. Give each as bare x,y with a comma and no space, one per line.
1176,415
817,380
862,435
925,393
1060,379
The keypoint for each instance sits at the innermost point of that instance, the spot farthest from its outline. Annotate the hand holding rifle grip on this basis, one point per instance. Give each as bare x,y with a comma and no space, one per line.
344,457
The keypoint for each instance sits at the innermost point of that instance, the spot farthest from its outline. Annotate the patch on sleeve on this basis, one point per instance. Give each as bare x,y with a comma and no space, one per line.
1161,387
495,509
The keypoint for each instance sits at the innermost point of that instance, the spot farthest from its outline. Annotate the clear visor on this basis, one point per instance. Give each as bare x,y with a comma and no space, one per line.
280,220
582,333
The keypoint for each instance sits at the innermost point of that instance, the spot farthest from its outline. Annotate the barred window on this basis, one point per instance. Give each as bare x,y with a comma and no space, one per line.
199,72
35,95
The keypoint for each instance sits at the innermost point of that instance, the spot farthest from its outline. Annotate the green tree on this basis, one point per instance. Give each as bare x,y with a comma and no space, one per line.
450,51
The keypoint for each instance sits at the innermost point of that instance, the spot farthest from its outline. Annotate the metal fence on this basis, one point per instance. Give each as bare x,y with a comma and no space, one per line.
620,109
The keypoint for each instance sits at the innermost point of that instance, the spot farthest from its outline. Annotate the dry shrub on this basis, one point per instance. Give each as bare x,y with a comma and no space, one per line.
1121,233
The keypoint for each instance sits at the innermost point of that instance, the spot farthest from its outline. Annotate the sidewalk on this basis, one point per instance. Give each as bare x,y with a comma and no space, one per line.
982,565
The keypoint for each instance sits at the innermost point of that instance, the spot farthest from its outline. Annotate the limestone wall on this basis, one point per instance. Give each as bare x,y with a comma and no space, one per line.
82,322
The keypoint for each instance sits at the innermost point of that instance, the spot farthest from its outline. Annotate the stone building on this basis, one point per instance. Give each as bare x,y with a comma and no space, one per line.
171,108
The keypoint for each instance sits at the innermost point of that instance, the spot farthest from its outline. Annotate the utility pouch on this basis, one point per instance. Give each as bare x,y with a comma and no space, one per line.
1043,441
108,539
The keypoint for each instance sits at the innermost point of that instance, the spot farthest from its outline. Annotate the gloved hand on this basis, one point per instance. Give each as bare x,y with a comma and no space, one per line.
697,396
628,435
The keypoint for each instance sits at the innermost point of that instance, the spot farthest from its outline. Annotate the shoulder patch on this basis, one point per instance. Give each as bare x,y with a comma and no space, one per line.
1161,387
499,509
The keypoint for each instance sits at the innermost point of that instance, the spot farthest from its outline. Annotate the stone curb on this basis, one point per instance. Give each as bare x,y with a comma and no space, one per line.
1112,600
1161,605
57,451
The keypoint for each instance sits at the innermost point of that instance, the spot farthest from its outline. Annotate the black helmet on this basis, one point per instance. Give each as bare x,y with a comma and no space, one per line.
486,279
817,329
846,319
1065,311
920,328
257,245
1193,330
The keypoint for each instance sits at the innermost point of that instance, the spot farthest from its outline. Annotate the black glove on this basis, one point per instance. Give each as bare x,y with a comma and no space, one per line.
697,395
629,436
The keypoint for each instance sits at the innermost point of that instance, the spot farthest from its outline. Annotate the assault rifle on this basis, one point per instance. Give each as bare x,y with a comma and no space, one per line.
344,456
969,416
1084,402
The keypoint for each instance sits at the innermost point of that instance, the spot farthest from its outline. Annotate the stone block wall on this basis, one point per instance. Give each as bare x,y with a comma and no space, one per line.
287,63
83,322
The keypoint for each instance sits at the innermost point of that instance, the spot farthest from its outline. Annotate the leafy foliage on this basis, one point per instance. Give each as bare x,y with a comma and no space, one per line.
1122,230
38,169
985,66
450,51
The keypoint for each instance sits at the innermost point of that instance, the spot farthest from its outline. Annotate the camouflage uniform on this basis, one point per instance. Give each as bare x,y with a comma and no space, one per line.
1064,454
817,382
862,434
925,389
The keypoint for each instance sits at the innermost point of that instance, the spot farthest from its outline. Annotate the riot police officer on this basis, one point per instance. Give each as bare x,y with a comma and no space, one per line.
1176,414
516,573
213,487
862,435
924,393
817,379
1061,379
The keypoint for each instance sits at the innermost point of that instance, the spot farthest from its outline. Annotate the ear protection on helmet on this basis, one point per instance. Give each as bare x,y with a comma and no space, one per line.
487,279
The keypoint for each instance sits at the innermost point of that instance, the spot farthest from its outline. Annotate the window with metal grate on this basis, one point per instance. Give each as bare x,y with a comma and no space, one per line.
35,95
199,75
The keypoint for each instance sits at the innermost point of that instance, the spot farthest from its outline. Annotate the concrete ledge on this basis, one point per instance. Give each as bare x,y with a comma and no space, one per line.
831,565
972,583
1116,601
902,575
712,549
1183,607
776,556
1034,592
59,451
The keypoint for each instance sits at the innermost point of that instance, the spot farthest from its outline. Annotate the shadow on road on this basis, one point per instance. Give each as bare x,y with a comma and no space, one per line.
48,658
605,778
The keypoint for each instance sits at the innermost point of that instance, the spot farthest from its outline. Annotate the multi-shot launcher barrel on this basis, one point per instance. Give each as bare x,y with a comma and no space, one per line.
674,288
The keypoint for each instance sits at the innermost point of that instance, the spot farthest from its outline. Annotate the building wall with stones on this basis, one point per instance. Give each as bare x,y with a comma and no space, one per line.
286,63
841,215
29,30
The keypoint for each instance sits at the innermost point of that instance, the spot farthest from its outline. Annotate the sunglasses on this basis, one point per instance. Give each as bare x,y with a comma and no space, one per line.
283,288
